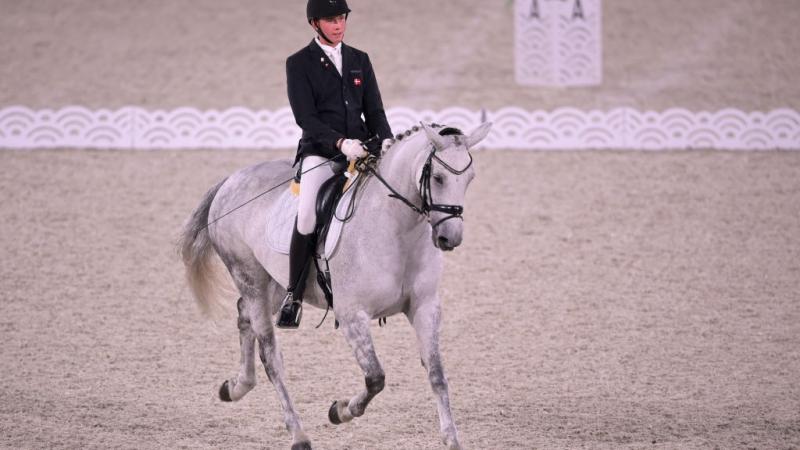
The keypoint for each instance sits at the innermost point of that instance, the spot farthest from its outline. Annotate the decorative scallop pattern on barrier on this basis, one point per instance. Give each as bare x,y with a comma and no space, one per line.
515,128
74,126
564,128
232,128
725,129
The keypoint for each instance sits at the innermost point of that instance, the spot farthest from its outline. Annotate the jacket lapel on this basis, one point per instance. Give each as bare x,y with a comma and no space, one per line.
319,57
347,60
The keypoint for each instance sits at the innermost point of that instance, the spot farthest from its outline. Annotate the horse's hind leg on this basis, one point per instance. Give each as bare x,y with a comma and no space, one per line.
236,387
426,321
356,332
259,291
261,323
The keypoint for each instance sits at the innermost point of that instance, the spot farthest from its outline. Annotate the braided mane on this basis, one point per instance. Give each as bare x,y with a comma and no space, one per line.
443,131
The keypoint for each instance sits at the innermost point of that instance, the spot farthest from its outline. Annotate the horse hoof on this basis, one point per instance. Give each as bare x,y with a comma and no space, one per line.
302,446
224,392
333,414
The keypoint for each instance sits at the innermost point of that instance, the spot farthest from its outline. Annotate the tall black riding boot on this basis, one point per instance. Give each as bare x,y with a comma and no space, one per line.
300,250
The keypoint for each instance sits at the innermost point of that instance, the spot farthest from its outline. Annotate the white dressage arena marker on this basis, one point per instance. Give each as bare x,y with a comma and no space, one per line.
558,42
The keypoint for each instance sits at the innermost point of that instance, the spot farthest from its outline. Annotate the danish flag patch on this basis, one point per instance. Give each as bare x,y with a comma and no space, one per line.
357,81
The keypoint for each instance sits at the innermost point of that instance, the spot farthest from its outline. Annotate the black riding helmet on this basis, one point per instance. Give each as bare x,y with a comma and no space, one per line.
318,9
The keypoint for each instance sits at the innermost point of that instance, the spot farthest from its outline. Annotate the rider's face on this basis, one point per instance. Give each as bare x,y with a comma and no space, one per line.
333,28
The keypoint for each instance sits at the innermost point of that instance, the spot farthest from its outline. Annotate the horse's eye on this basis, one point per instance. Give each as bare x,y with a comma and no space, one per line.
438,179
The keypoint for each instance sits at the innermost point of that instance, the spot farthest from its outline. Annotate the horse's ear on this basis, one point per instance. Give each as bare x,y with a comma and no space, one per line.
433,136
476,136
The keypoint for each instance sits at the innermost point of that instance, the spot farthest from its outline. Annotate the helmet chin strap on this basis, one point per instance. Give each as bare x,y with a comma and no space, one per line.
322,35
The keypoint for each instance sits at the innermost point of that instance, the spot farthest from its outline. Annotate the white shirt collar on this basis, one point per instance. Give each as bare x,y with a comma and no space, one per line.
327,48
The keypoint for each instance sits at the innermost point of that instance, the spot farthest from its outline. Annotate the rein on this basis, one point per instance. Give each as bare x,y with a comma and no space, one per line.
227,213
333,158
428,205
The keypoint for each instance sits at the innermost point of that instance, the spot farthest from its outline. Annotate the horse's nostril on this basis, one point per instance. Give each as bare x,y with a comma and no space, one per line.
443,242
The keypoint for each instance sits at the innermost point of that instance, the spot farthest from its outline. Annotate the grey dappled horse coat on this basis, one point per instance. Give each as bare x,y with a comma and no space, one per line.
388,262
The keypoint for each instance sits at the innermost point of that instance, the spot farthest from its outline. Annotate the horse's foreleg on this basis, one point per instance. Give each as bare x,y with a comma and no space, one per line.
356,332
273,364
236,387
426,321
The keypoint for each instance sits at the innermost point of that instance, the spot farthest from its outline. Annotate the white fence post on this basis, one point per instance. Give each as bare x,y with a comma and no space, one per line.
558,42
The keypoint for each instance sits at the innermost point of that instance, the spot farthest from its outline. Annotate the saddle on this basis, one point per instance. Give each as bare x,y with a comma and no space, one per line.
333,202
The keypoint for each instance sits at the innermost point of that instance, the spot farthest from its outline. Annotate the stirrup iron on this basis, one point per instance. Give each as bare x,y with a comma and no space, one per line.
290,314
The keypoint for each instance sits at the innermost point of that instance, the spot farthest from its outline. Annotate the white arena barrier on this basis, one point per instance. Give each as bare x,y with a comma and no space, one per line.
514,128
558,42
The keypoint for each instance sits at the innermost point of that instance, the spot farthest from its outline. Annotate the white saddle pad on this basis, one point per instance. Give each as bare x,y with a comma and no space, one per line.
280,223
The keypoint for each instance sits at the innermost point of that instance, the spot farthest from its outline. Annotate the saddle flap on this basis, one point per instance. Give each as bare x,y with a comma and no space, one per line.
339,211
329,194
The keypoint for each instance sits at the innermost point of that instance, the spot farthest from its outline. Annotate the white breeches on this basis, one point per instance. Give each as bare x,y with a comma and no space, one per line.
310,183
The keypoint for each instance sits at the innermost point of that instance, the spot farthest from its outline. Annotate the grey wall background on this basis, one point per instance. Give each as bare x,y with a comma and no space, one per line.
708,54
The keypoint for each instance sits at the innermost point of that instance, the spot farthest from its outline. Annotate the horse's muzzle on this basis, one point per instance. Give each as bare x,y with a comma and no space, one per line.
442,243
447,238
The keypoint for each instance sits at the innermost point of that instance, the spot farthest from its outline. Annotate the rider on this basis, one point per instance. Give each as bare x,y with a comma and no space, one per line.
330,85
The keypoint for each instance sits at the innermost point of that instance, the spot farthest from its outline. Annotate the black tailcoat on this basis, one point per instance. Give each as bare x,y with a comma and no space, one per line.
329,106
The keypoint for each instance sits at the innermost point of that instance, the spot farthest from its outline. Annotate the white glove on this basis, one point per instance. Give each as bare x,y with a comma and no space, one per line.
386,144
352,149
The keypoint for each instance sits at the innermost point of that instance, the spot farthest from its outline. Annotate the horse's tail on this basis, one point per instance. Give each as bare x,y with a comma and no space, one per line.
204,274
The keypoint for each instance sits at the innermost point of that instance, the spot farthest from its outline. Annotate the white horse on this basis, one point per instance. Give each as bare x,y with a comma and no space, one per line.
388,262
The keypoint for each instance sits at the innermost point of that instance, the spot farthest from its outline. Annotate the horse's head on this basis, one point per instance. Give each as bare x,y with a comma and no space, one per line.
443,181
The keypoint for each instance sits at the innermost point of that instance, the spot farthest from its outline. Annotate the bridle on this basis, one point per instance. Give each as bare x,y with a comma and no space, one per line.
428,205
452,211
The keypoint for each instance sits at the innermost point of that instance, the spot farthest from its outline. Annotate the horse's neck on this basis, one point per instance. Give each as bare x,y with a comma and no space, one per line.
400,167
401,164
